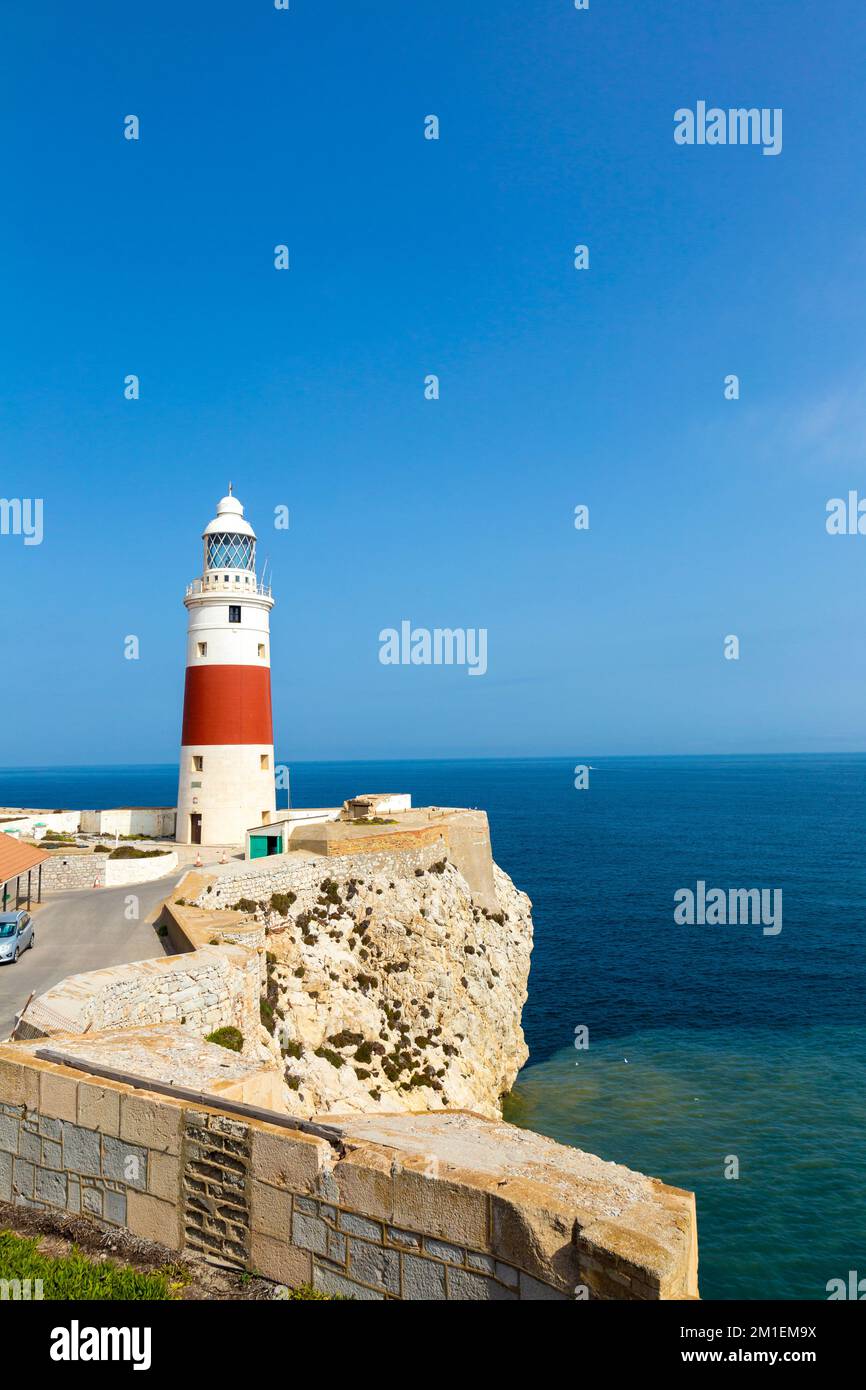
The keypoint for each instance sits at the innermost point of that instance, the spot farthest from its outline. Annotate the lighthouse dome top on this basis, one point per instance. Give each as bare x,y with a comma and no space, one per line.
229,518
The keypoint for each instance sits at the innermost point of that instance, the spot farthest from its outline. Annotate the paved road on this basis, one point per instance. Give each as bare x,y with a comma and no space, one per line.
80,930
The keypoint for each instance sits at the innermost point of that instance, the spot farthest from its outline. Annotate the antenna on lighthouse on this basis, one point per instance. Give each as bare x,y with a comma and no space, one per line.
230,487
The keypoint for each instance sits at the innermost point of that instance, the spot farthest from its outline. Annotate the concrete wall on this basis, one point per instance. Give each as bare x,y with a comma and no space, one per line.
374,1220
156,822
86,870
209,989
15,822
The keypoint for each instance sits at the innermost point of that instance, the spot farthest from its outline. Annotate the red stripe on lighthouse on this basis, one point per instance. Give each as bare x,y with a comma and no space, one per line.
227,704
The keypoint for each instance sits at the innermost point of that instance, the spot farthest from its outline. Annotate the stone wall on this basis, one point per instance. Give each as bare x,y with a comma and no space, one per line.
405,1215
88,870
258,880
212,988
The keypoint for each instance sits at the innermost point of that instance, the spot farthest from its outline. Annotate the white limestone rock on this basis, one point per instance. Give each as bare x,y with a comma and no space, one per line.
398,993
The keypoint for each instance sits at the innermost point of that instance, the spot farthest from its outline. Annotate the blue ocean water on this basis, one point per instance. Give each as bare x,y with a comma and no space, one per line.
738,1045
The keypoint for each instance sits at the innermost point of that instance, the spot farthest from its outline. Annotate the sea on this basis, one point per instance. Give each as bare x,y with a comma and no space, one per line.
721,1058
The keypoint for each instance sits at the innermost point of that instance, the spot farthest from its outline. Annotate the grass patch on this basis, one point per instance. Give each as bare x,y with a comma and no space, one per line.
74,1276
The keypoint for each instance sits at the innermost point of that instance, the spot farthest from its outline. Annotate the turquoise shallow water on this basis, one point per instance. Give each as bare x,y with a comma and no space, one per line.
790,1106
737,1043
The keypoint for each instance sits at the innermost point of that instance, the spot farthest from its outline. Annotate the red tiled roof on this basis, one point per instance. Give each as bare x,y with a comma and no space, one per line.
16,858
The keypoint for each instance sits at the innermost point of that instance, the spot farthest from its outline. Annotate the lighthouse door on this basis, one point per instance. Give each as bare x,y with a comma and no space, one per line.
195,828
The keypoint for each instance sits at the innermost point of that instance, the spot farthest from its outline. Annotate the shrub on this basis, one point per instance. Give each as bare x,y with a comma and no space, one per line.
229,1037
245,905
266,1014
293,1049
130,852
333,1057
281,902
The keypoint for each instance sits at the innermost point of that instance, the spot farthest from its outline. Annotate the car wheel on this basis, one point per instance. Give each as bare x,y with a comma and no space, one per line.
32,941
16,955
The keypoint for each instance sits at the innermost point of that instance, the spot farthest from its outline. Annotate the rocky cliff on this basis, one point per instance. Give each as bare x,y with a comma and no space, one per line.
397,993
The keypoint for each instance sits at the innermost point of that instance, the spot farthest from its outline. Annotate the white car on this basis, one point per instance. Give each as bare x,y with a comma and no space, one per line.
16,935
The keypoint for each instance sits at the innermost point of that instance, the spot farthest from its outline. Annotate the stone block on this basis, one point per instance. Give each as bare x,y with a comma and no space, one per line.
91,1200
52,1154
124,1162
50,1128
276,1259
152,1219
9,1134
99,1108
406,1240
81,1150
6,1161
153,1123
441,1207
356,1225
329,1281
164,1176
19,1084
114,1207
22,1178
373,1265
58,1096
51,1187
443,1250
466,1286
309,1233
422,1279
364,1183
30,1147
271,1212
286,1159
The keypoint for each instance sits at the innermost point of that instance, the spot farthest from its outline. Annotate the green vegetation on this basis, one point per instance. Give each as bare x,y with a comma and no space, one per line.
293,1049
229,1037
266,1014
333,1057
75,1276
130,852
245,905
281,902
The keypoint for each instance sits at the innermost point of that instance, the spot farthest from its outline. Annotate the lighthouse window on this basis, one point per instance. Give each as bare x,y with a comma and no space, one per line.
234,612
263,760
197,763
261,649
202,648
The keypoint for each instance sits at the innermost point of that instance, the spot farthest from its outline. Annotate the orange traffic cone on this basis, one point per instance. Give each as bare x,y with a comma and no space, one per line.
198,860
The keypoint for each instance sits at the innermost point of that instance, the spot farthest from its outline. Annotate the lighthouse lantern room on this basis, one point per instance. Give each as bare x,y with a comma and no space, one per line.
227,745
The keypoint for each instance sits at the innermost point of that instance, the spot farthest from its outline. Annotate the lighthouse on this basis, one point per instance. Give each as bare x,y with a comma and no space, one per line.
227,745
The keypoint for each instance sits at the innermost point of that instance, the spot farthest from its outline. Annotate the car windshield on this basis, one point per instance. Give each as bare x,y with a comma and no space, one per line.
7,929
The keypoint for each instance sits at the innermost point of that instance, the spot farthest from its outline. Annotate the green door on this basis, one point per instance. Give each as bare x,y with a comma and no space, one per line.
258,846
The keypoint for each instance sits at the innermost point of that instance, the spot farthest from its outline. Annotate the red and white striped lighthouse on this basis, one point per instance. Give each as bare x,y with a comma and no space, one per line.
227,746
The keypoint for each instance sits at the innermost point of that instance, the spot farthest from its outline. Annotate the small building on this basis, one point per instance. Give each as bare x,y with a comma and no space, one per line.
17,863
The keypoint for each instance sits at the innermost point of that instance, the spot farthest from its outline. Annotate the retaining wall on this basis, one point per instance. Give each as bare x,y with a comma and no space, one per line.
395,1219
88,870
212,988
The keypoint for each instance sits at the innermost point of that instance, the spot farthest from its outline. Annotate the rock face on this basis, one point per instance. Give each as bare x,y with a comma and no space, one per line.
395,993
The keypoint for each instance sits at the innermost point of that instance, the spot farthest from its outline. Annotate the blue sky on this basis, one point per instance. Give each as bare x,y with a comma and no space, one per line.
410,257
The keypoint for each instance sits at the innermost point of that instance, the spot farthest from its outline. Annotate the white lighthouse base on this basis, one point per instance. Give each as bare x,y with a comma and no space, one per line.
222,791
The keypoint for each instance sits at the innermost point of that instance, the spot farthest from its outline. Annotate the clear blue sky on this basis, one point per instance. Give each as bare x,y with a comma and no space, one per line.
409,257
